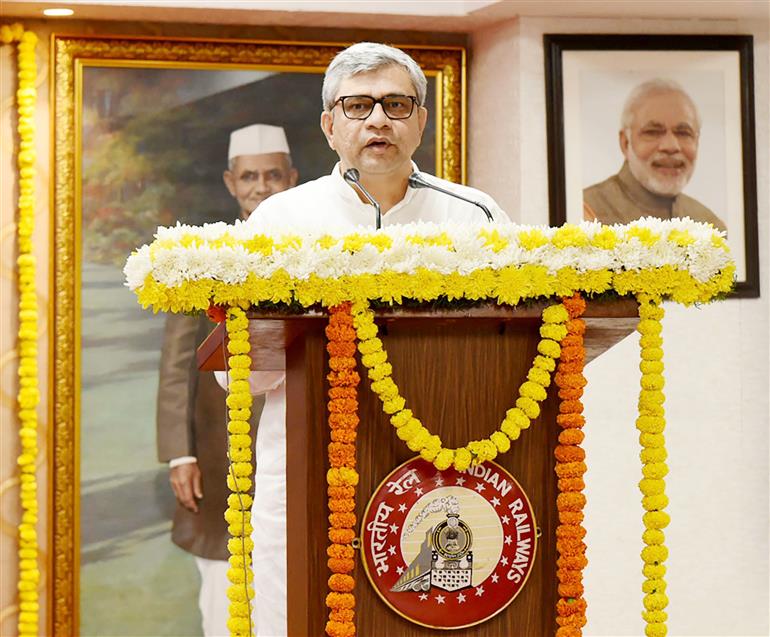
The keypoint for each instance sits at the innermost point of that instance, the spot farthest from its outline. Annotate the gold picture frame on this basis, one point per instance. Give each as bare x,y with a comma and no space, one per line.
71,57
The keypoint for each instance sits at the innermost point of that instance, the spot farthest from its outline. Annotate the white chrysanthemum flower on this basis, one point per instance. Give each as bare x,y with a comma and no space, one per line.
169,267
230,265
367,260
137,267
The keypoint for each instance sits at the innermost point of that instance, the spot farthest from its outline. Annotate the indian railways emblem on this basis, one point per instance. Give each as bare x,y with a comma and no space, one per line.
448,549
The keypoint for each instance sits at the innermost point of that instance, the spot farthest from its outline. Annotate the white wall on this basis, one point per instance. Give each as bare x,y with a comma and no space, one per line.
716,369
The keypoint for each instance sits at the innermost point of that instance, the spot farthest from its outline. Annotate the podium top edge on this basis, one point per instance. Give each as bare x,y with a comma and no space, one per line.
613,308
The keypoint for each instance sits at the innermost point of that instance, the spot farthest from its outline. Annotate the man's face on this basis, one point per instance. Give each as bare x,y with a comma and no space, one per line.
661,145
376,145
255,177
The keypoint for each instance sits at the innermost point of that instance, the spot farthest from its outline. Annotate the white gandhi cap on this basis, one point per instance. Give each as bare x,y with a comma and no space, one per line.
257,139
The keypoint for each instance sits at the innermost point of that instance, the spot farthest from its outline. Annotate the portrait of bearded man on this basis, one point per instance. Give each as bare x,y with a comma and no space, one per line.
659,136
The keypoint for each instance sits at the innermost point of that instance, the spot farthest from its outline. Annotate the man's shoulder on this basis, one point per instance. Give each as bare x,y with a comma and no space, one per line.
687,206
277,206
474,194
303,191
610,187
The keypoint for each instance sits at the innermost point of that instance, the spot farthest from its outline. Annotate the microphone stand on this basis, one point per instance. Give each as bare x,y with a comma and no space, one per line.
353,177
416,180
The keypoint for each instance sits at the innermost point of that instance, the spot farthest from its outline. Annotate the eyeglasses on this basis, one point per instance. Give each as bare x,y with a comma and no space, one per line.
361,106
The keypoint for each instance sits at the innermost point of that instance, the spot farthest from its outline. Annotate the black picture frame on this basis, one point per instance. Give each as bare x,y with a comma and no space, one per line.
584,60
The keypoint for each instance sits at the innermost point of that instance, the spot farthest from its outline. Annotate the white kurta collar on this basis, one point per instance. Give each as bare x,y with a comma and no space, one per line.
349,194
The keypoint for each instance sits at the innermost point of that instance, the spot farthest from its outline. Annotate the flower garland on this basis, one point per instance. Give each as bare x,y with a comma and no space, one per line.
570,468
238,513
430,446
342,477
651,424
186,268
29,392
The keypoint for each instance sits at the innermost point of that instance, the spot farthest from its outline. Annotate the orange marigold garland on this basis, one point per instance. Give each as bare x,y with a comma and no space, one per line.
570,467
342,477
651,424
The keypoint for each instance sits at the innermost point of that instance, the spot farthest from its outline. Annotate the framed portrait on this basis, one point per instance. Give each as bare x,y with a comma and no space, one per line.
141,131
659,125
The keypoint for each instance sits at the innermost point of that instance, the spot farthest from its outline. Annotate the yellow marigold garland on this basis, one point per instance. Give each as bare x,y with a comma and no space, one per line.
238,513
651,424
430,446
342,477
29,392
570,468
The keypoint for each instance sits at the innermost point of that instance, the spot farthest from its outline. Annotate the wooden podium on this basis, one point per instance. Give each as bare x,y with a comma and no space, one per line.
459,371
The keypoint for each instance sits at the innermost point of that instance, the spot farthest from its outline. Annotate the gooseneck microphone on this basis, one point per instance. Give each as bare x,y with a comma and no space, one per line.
353,177
417,180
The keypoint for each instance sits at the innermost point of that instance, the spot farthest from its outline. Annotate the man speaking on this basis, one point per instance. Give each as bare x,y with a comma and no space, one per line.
659,134
373,118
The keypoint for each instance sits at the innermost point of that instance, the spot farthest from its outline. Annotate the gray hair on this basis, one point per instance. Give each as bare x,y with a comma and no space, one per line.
644,90
369,56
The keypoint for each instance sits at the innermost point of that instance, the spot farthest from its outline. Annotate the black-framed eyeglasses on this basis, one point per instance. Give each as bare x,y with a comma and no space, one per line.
361,106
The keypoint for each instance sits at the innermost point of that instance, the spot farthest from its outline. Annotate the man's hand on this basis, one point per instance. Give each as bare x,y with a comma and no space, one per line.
185,480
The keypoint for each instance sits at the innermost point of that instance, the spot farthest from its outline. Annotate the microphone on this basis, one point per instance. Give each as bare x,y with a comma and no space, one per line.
417,180
353,177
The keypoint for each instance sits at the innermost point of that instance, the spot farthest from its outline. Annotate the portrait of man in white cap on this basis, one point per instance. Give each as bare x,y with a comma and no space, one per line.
259,165
191,416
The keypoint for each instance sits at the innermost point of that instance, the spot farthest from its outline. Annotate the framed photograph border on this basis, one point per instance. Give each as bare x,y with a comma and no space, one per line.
555,44
69,55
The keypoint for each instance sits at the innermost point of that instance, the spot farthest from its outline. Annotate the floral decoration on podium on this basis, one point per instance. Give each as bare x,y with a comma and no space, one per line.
188,269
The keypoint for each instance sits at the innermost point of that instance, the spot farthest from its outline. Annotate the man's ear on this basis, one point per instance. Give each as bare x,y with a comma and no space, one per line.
327,126
229,180
422,118
293,176
623,141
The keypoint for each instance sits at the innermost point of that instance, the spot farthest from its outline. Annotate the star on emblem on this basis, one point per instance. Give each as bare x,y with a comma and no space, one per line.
508,539
392,550
479,591
439,481
460,598
400,570
505,519
418,491
495,577
479,487
460,481
401,508
440,599
423,597
394,528
496,502
504,560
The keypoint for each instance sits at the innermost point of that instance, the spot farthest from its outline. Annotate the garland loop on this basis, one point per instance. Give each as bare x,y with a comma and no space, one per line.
430,446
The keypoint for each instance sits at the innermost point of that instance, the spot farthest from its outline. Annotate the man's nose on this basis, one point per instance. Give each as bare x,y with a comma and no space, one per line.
261,184
670,143
377,117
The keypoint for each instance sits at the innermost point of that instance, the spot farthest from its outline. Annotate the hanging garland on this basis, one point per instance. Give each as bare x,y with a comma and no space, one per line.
430,446
342,477
238,513
651,424
570,468
29,392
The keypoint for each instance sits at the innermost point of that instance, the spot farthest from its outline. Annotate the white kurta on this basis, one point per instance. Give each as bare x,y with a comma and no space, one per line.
327,202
